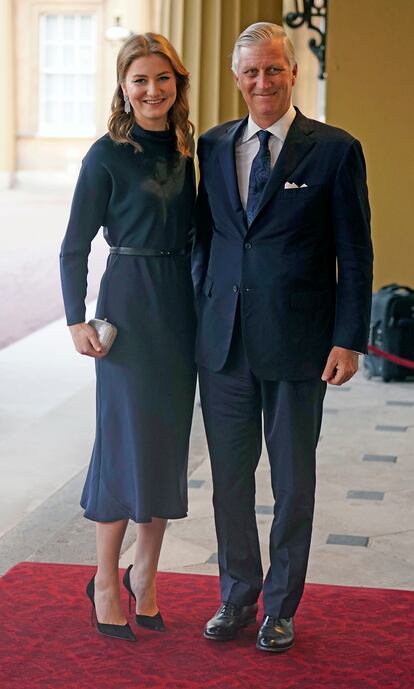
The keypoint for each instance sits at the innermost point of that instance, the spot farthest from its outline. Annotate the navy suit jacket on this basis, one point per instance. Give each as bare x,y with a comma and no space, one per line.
302,269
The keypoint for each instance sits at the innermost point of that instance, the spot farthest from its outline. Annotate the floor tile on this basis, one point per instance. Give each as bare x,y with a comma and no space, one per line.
344,539
399,403
195,483
365,495
395,429
264,509
379,458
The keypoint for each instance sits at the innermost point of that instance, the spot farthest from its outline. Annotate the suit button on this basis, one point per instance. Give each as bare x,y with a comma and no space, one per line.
248,245
235,289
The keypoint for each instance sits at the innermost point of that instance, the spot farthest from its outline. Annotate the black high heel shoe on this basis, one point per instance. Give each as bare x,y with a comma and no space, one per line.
153,622
118,631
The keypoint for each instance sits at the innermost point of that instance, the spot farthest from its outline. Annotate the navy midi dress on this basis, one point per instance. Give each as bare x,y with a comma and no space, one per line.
146,383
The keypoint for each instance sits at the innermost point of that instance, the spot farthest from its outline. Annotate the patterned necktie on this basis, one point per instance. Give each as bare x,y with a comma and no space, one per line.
259,174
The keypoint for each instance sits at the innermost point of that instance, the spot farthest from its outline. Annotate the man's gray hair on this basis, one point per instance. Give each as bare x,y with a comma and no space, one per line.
262,31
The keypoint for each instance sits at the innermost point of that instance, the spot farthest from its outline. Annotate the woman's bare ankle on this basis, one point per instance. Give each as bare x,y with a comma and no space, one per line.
107,580
146,596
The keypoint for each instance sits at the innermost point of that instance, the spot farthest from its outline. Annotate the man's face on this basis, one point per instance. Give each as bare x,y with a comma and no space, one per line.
265,78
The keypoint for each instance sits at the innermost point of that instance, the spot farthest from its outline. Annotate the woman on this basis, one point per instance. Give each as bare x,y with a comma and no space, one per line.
137,182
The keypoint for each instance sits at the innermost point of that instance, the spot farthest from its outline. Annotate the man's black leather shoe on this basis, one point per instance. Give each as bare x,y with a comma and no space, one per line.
227,621
276,634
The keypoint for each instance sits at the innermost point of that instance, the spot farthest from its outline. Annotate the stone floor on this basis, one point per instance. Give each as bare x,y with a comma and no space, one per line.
364,524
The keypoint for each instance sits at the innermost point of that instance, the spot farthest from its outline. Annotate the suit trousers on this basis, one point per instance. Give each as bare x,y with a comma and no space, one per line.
233,403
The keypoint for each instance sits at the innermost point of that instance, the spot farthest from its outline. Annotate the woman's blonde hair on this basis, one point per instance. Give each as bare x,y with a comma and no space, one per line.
120,123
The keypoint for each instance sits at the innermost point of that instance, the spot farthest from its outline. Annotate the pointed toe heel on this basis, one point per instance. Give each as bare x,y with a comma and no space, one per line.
153,622
116,631
126,580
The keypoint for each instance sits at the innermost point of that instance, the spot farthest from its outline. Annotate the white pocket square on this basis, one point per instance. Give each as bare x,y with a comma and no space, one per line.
292,185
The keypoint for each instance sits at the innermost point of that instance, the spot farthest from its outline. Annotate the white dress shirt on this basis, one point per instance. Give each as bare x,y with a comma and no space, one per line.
248,145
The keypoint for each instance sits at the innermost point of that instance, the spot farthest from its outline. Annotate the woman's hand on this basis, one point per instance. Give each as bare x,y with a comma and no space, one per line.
86,340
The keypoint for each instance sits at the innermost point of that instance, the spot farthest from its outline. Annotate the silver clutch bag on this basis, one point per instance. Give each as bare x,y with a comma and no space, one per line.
106,332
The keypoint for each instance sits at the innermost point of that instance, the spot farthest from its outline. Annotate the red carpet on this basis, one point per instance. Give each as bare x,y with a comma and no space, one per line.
347,638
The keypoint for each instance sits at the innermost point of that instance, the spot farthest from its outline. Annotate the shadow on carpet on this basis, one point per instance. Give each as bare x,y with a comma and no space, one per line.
346,638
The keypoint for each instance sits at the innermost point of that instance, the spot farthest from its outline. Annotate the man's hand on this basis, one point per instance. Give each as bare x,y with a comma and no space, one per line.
342,364
86,340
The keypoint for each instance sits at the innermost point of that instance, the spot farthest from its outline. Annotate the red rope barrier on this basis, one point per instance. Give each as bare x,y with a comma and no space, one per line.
391,357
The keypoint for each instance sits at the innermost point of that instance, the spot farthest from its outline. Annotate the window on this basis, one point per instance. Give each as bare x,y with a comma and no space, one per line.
67,75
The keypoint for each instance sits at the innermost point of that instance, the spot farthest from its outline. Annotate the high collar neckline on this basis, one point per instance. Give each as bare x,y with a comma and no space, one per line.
139,132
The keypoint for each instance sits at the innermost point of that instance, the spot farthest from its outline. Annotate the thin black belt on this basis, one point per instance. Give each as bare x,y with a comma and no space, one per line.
131,251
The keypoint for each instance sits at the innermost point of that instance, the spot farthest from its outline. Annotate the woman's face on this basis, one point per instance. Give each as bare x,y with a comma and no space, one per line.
150,85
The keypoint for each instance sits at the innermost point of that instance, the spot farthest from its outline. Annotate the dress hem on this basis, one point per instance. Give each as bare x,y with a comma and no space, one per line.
137,520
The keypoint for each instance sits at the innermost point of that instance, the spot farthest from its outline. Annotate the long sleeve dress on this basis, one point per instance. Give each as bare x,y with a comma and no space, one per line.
146,383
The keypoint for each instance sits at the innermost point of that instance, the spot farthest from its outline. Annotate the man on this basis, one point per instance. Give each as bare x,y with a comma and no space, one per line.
282,271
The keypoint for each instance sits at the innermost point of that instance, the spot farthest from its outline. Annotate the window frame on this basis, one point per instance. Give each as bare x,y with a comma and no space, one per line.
74,129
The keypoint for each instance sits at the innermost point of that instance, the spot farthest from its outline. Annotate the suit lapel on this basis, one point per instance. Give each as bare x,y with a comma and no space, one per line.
297,145
227,161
